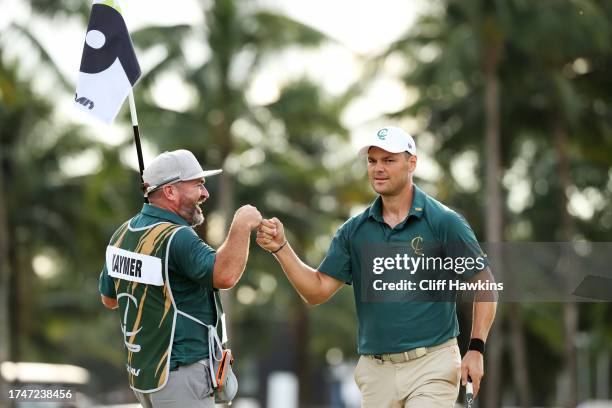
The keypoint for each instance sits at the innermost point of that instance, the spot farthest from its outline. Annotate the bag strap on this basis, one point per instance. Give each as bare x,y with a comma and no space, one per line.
215,345
220,319
220,316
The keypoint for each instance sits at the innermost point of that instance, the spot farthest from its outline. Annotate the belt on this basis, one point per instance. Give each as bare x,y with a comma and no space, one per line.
411,354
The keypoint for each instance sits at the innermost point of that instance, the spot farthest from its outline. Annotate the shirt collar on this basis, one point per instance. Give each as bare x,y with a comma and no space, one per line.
375,210
417,209
418,202
163,214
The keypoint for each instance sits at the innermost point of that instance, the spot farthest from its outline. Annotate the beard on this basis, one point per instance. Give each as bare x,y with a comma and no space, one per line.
192,214
198,219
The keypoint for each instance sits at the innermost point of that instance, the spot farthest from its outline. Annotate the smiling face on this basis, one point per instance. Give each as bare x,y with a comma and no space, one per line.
390,173
191,195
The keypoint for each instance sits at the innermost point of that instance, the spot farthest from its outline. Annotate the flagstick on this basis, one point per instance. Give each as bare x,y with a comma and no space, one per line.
137,137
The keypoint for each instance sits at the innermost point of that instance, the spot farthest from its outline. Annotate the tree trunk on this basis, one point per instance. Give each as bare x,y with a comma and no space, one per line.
493,216
15,300
227,201
4,274
493,48
519,355
302,334
570,310
12,278
222,134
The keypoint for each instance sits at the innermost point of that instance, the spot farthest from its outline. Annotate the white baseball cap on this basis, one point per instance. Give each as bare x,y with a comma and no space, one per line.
172,167
391,139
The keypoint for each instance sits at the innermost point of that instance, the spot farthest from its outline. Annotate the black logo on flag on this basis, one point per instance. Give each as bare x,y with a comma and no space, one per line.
114,42
84,101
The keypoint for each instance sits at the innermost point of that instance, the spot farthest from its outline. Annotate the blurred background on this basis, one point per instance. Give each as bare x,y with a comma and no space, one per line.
509,102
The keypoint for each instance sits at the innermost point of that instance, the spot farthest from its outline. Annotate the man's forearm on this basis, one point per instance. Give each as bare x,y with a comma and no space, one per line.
482,319
472,365
231,257
306,280
485,306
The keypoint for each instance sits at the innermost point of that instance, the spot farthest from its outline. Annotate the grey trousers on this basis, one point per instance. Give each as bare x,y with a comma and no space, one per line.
189,386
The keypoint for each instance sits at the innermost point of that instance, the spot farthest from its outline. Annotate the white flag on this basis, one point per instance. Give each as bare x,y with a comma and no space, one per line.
109,68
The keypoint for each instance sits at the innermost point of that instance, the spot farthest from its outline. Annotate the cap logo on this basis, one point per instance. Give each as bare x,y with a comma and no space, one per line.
382,133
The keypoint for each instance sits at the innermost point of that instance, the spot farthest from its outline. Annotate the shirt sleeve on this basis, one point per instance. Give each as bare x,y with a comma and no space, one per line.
192,257
337,262
106,284
461,244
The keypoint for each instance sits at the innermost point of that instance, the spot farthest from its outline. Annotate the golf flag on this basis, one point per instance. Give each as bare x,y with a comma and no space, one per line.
109,68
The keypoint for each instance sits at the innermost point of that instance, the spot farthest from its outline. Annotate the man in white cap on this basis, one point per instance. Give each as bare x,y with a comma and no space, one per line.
409,353
165,279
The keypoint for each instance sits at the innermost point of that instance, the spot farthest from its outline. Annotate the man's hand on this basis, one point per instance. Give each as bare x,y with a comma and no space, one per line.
472,365
109,303
271,234
249,216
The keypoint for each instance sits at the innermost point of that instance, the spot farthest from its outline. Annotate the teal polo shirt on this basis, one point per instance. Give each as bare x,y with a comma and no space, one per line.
190,269
394,326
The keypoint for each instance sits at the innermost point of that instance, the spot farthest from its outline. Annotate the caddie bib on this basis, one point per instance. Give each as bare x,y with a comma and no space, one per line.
137,260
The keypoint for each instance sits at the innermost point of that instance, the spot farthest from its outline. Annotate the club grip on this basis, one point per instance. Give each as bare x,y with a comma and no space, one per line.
469,394
469,388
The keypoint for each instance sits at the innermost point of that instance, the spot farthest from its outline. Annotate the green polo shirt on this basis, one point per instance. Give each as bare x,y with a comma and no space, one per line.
190,269
397,326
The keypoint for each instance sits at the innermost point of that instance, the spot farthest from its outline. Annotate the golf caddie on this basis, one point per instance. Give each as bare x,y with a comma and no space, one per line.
409,356
165,282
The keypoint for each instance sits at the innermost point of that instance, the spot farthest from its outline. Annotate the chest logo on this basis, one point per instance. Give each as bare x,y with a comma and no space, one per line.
417,245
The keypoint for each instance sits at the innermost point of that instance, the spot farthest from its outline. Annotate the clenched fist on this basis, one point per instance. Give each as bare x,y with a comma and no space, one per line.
271,234
249,216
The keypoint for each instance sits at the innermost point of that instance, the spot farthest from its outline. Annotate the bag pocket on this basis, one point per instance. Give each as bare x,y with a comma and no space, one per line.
228,391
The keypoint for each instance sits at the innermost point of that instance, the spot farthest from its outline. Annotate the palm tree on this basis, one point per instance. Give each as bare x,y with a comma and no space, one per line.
241,37
509,45
27,193
19,114
42,211
584,30
467,39
4,270
313,131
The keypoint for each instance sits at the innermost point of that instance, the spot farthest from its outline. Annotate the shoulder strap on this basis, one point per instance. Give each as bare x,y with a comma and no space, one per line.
220,316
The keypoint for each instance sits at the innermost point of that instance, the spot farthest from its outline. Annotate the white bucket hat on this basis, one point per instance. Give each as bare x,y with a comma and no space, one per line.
172,167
